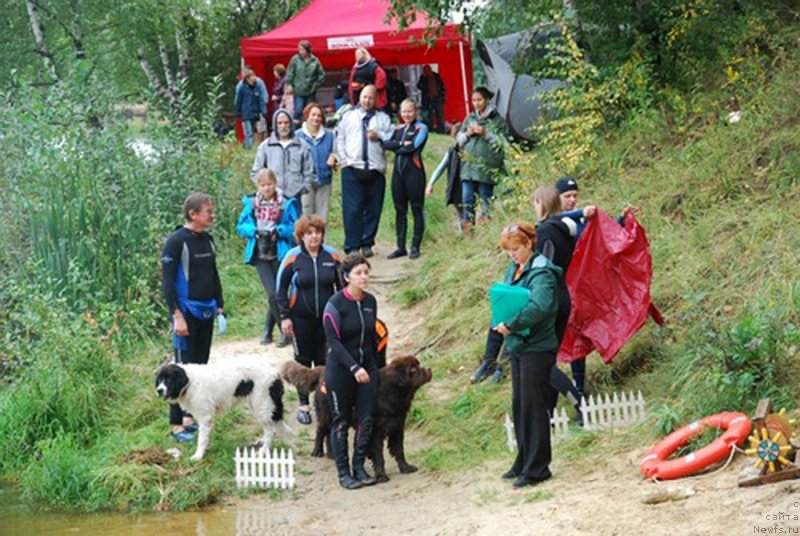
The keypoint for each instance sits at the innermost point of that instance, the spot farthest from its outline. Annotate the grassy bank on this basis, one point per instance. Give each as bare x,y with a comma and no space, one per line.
719,201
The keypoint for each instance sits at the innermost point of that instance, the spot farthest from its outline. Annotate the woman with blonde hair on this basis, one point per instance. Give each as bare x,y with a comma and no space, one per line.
366,71
408,178
267,222
532,345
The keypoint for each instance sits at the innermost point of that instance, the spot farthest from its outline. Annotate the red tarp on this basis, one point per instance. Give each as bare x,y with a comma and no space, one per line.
609,283
335,28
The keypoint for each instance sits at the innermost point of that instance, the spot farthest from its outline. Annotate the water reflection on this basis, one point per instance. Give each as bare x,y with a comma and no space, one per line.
253,518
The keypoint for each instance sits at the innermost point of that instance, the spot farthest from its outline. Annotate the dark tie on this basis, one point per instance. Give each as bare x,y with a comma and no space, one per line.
364,141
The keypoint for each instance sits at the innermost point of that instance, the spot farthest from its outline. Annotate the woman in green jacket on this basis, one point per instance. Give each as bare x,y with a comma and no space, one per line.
532,344
481,138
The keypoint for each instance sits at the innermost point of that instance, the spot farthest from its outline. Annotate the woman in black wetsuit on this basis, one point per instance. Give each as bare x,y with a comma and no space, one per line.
408,178
351,372
308,276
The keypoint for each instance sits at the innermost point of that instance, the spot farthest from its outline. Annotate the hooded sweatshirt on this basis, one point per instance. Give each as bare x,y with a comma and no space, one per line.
291,162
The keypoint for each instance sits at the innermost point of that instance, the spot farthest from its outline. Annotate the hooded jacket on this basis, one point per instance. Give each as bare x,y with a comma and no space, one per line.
246,227
320,148
540,277
293,164
485,153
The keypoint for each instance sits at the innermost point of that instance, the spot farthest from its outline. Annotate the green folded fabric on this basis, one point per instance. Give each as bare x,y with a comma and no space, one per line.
506,301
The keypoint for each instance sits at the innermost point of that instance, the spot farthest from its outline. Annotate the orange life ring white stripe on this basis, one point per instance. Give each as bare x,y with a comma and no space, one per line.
656,464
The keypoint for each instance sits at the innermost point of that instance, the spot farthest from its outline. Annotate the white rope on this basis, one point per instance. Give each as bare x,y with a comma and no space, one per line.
734,448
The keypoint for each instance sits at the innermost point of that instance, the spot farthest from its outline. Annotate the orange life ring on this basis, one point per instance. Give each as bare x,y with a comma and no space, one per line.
656,465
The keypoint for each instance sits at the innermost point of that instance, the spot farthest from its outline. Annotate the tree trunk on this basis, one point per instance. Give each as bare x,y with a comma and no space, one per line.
38,36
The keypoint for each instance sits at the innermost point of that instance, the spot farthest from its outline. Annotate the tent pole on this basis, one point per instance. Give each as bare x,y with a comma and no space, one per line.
463,77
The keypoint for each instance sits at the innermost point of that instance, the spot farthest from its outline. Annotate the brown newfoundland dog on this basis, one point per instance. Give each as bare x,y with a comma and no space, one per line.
399,381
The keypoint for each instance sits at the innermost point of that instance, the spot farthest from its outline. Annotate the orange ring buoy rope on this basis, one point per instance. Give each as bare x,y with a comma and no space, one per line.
656,465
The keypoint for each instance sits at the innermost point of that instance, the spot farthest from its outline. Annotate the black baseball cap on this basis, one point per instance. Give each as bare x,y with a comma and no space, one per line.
566,184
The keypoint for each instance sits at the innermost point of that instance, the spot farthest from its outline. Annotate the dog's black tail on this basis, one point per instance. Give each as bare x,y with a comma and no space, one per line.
304,378
276,394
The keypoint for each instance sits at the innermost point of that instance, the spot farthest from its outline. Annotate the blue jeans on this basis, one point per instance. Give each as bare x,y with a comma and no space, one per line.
249,126
362,202
468,191
300,102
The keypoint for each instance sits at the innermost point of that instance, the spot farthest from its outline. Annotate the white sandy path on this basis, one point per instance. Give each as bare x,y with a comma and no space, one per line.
606,500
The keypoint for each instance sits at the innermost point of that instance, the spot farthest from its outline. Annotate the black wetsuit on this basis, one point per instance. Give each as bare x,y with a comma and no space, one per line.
189,277
305,283
408,180
352,344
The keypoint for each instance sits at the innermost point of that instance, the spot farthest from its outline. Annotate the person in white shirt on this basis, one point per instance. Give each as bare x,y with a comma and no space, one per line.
359,144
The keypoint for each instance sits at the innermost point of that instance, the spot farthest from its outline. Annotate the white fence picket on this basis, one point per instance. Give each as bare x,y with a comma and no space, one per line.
619,409
559,424
600,411
265,469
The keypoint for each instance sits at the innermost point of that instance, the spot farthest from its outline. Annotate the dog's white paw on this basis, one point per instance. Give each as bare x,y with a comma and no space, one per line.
197,457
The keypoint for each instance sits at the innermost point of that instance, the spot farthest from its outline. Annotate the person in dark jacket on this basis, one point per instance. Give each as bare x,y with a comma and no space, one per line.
308,276
432,89
250,103
367,72
193,292
408,178
396,92
320,145
555,240
267,222
279,73
304,76
450,163
351,371
532,345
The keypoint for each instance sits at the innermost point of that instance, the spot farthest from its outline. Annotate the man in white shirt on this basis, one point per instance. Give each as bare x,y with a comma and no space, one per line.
359,143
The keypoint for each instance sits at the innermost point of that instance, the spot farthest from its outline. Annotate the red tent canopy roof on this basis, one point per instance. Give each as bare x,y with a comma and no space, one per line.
341,24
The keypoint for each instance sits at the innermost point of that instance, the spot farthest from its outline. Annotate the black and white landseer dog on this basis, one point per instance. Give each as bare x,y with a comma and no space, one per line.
207,390
399,382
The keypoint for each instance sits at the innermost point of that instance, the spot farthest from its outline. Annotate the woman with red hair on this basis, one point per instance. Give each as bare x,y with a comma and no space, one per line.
532,344
308,276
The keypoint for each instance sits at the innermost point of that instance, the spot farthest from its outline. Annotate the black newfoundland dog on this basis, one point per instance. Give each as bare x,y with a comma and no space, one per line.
399,382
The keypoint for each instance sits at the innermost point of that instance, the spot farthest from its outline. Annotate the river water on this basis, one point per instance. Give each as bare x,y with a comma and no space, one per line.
18,518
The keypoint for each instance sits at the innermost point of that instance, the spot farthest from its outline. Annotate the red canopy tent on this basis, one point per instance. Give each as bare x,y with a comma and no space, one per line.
336,27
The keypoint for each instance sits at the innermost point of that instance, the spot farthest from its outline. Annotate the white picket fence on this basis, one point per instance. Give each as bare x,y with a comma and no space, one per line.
270,469
602,411
605,411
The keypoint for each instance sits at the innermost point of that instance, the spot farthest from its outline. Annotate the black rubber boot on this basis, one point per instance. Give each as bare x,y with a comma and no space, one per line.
416,240
363,433
339,446
401,234
269,326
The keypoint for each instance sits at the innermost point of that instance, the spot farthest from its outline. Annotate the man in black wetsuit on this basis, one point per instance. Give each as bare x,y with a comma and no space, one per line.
193,292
